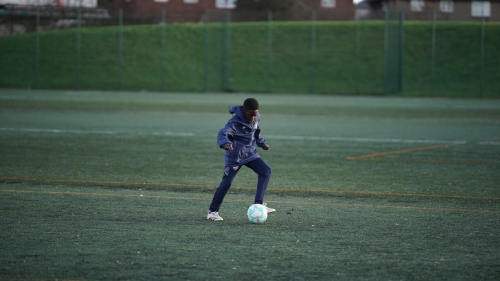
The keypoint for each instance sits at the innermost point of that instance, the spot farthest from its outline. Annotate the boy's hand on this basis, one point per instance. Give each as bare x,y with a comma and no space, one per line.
228,146
266,147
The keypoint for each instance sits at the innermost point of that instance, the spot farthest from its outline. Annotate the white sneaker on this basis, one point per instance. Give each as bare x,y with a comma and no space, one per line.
269,210
214,216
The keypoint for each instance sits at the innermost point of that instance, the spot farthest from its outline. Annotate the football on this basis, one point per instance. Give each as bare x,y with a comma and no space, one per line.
257,213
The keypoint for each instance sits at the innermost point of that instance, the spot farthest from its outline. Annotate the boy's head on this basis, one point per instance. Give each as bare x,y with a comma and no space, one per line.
251,104
250,109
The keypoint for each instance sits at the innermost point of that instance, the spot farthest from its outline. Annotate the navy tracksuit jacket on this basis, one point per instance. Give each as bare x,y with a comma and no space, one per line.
243,135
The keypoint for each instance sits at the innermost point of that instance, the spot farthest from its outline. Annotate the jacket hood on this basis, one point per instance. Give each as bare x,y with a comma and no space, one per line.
238,111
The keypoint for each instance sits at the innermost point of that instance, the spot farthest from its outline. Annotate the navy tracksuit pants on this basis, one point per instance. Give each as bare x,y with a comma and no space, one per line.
258,166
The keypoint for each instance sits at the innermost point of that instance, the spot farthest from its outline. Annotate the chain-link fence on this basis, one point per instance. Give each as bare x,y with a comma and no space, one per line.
304,52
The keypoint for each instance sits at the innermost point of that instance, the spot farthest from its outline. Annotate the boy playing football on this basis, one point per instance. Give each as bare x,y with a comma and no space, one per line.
238,138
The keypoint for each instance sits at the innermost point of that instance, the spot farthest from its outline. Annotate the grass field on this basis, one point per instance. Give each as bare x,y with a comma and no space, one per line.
109,185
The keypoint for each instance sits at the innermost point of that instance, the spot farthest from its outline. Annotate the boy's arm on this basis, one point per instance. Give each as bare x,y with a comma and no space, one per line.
225,136
261,142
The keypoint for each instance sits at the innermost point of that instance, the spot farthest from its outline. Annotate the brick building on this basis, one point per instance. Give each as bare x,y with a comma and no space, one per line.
453,10
194,10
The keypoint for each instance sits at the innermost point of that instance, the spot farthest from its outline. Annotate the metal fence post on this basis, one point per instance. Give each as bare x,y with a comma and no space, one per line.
433,53
223,51
400,51
37,49
120,48
162,64
386,52
358,53
393,58
313,53
269,49
228,48
205,49
481,91
78,47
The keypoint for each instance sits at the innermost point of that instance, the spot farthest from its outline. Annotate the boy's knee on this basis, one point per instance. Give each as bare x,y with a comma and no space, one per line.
268,171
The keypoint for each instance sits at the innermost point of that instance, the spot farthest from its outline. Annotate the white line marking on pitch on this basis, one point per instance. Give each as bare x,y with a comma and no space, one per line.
57,131
359,139
490,143
187,134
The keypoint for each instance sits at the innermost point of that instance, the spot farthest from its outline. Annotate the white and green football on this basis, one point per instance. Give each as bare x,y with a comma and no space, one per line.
257,213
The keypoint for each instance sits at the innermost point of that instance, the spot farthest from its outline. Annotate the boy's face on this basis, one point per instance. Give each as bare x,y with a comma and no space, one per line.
250,115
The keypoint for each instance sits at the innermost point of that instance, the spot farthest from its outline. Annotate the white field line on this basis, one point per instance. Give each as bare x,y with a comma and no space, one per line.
313,138
490,142
187,134
57,131
173,134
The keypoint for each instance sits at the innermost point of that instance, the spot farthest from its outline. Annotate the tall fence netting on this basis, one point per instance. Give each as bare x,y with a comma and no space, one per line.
223,51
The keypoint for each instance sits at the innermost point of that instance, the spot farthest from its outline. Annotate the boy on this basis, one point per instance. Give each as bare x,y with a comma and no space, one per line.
238,138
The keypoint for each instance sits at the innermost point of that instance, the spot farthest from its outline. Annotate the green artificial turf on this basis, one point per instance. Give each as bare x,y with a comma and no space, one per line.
109,185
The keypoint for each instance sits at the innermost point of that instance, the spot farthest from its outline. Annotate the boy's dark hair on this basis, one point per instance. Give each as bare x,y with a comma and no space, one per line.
251,104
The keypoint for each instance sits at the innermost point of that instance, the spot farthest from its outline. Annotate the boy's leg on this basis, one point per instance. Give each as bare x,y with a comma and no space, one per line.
264,172
220,193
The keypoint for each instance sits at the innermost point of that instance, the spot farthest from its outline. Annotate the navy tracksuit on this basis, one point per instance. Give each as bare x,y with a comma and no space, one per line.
243,135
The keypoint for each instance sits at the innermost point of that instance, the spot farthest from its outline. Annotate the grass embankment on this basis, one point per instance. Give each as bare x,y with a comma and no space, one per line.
459,70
